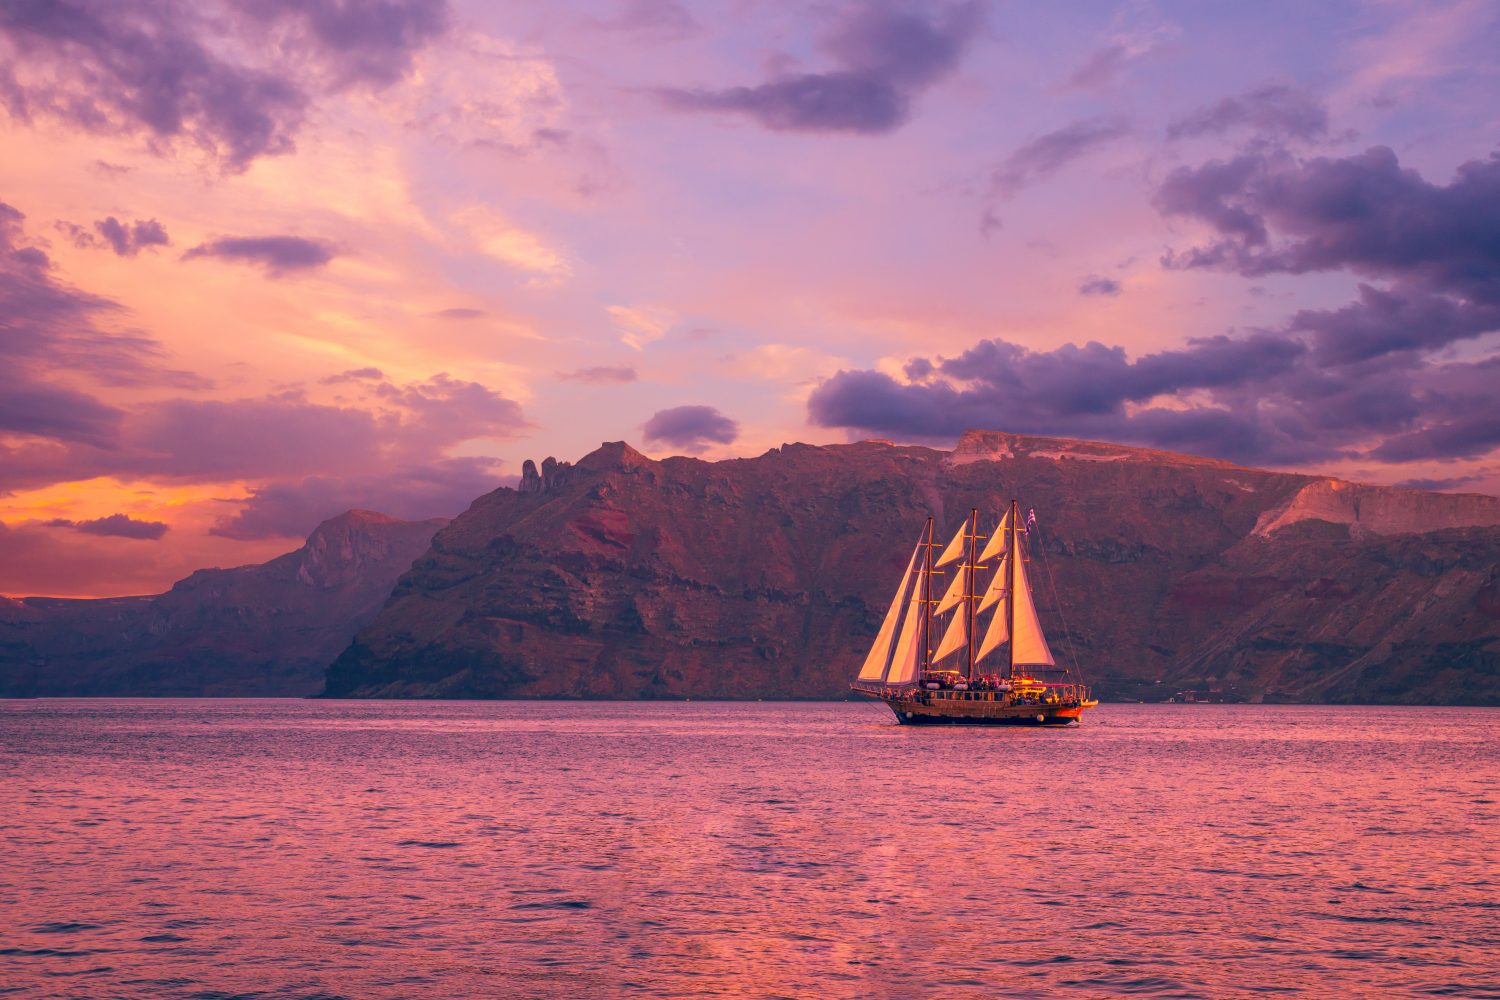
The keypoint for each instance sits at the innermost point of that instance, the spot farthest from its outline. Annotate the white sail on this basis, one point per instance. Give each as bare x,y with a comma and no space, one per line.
956,638
1029,642
955,591
995,635
995,591
998,541
956,547
904,660
880,653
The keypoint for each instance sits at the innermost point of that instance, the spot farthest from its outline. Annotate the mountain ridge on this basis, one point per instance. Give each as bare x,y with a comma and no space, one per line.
264,629
624,576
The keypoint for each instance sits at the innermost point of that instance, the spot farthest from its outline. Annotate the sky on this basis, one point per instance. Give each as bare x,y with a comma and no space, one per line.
262,261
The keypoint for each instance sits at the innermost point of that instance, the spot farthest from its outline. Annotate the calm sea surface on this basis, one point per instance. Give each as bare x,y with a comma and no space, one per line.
222,849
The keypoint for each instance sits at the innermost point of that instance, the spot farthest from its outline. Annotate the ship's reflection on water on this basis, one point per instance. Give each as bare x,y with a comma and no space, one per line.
193,849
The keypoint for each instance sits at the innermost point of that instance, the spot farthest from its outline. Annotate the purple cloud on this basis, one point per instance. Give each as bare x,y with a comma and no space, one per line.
47,329
362,41
161,68
459,313
115,526
1259,399
659,19
691,428
1438,246
1096,284
1363,213
278,255
1049,153
124,238
599,375
128,240
138,67
293,507
886,54
1272,112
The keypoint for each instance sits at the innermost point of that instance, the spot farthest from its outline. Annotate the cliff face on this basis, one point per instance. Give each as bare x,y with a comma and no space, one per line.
255,630
767,577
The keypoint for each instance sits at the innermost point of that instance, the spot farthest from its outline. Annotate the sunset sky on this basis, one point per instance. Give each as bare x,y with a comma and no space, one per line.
265,260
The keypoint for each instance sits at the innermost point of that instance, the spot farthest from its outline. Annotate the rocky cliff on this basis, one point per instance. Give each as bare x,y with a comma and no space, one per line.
623,577
255,630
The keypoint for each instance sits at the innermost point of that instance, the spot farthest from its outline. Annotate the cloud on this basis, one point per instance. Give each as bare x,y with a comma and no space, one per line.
640,325
1049,153
175,70
124,238
1276,112
691,428
599,375
459,313
139,67
292,508
360,41
54,337
1261,399
1276,214
1095,284
660,19
1439,485
384,427
354,375
1437,246
115,526
885,55
1105,65
277,255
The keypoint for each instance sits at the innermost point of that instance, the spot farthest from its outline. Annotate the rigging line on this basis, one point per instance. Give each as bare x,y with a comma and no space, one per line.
1052,583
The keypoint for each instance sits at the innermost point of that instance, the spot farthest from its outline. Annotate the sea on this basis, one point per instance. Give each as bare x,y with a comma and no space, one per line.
222,849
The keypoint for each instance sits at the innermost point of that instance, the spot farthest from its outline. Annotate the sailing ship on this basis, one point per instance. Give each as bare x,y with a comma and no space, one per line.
949,683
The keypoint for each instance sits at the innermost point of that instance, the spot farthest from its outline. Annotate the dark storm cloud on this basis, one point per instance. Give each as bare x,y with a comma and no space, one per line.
126,239
115,526
1047,154
886,54
159,68
52,336
292,508
691,428
599,375
1273,112
278,255
1096,284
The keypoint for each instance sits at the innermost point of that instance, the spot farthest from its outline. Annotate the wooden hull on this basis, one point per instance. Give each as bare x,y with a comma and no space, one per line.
953,708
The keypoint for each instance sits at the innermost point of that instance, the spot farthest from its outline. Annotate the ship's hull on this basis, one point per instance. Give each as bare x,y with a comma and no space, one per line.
957,708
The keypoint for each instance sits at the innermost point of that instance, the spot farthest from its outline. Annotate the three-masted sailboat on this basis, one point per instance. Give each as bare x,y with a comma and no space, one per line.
946,683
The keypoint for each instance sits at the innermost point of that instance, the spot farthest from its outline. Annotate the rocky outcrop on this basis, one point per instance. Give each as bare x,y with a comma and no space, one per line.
270,629
767,578
1381,510
554,475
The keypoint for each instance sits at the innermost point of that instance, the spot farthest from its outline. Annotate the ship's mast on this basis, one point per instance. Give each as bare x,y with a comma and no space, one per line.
927,602
969,584
1010,603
